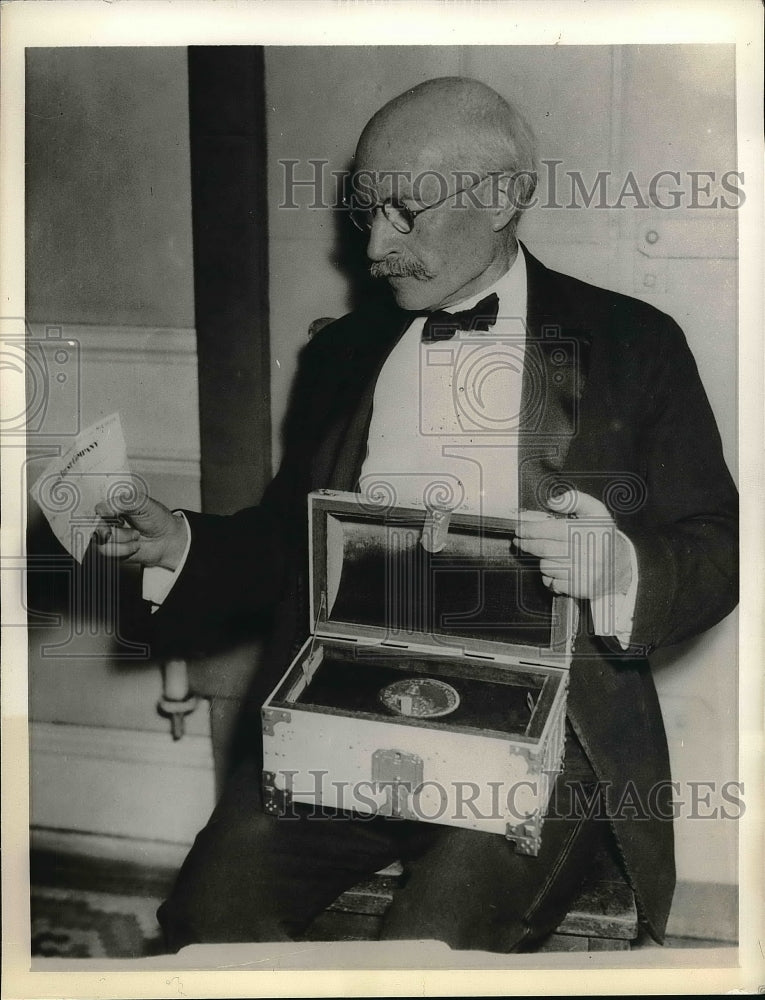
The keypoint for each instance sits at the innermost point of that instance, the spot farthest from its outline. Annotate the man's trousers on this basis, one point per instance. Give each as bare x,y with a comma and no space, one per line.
251,876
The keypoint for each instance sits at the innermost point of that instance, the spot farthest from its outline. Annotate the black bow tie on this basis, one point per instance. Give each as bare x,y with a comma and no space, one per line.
442,325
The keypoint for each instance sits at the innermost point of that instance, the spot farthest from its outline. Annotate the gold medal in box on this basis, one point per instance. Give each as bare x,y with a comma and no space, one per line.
420,698
430,668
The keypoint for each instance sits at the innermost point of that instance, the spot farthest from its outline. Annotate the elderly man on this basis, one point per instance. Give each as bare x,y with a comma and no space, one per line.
604,396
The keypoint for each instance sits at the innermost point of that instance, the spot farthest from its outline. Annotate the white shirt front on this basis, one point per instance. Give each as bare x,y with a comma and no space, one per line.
446,415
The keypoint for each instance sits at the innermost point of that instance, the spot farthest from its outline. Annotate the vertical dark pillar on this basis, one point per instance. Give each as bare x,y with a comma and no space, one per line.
230,227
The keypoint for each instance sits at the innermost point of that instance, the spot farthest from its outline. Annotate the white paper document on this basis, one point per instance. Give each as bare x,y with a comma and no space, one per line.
93,469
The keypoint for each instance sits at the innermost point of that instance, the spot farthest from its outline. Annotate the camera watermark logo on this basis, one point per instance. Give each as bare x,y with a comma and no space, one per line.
42,381
495,384
381,495
91,611
622,492
68,501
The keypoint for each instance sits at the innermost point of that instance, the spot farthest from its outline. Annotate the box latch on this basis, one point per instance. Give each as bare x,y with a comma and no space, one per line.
399,774
435,529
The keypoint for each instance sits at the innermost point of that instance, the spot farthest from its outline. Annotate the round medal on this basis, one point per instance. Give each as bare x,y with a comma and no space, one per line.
420,698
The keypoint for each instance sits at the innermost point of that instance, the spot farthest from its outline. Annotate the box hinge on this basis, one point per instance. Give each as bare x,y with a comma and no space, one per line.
271,717
314,656
399,774
311,663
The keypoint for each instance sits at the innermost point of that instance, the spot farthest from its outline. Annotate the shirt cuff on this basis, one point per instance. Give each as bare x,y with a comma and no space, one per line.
612,614
157,581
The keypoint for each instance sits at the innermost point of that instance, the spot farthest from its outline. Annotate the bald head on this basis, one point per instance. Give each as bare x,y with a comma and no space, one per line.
447,124
442,174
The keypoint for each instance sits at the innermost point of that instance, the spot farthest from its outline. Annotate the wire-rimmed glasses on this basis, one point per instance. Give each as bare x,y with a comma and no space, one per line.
400,216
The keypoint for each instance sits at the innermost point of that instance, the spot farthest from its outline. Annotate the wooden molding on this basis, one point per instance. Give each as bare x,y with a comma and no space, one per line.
126,344
130,745
163,359
705,911
152,854
120,783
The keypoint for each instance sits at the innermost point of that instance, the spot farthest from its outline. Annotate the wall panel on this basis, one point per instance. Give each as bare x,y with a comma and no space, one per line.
109,266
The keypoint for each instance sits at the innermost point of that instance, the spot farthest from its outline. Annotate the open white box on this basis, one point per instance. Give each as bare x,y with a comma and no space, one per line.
406,592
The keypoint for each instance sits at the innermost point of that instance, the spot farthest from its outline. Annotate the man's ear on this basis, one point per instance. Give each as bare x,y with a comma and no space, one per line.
504,204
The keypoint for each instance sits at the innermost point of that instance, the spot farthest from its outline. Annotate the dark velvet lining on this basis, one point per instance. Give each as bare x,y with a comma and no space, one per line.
353,685
477,588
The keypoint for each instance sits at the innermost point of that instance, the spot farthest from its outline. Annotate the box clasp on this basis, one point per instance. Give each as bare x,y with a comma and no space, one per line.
400,773
527,837
276,801
435,529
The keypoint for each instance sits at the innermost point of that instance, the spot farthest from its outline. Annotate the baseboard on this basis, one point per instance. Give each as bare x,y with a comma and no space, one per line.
85,863
120,783
704,911
157,854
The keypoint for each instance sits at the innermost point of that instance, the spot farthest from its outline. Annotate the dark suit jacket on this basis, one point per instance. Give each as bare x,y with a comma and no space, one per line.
612,403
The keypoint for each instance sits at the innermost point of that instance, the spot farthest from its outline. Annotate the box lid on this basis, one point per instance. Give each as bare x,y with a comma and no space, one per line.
419,577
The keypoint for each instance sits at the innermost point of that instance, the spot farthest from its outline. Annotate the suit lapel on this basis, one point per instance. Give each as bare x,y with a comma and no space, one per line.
555,373
337,464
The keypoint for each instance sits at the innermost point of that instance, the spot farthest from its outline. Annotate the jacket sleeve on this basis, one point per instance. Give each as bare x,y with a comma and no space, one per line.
687,544
238,565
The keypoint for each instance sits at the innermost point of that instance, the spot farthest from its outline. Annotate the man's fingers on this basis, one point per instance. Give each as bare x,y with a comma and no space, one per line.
149,534
533,515
116,531
552,548
133,508
557,569
109,516
125,535
128,496
116,518
574,502
562,585
119,550
557,585
548,527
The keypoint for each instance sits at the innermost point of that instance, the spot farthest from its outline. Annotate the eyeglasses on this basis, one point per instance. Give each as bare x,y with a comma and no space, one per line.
400,216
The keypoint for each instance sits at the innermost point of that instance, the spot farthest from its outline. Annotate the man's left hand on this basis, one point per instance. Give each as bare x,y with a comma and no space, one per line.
581,551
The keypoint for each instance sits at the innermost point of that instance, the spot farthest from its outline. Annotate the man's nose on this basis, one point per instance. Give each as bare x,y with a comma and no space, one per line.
384,238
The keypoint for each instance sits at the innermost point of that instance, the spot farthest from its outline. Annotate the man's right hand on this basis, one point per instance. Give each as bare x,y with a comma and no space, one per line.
142,532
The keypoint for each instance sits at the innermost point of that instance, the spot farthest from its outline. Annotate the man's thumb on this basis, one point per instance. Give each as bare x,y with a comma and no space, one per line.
129,495
574,502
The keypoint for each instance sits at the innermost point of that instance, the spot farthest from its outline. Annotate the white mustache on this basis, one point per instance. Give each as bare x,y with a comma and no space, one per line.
399,268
